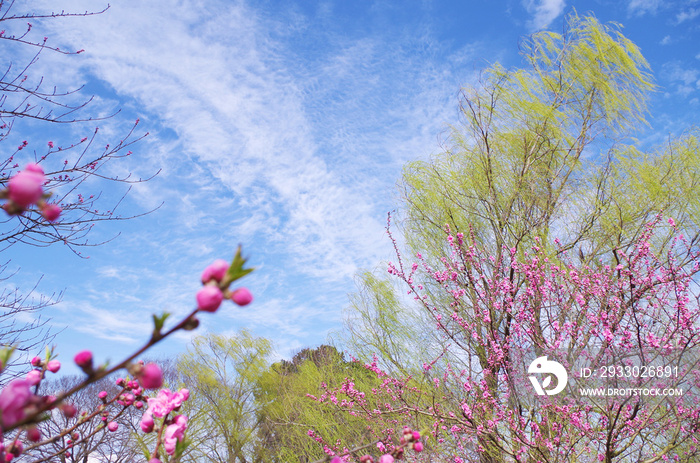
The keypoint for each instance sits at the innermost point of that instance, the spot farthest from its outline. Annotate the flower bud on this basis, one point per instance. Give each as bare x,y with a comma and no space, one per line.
33,434
84,360
51,212
242,296
102,395
151,376
418,446
209,298
36,362
191,323
53,366
147,423
25,187
34,377
113,426
216,271
69,410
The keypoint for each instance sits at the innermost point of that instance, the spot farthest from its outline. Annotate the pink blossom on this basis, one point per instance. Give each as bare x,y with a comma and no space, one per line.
386,458
102,395
53,366
215,271
151,376
36,361
83,359
174,432
167,401
25,188
113,426
242,296
13,399
34,377
51,212
418,446
50,144
209,298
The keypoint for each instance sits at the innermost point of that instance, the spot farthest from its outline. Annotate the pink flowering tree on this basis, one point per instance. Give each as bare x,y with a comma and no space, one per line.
625,334
49,200
553,255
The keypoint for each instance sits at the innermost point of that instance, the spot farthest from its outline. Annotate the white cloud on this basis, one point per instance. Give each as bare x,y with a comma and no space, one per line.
294,155
688,15
684,80
666,40
544,12
641,7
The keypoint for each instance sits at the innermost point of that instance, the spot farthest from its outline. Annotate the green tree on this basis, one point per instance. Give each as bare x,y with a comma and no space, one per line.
222,374
289,408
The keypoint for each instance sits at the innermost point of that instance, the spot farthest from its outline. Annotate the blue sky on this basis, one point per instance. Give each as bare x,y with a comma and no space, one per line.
283,126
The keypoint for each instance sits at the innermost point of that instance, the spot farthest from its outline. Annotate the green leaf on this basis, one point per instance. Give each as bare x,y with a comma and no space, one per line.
5,355
159,322
237,269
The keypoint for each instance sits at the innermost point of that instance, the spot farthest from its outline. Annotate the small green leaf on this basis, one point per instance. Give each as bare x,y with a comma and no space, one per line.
159,322
5,355
236,270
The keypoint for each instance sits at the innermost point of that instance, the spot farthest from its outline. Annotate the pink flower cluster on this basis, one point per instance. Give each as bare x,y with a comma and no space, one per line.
25,189
160,407
210,297
410,440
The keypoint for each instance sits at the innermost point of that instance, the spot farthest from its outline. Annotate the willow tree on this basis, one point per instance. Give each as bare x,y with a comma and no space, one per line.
221,373
543,162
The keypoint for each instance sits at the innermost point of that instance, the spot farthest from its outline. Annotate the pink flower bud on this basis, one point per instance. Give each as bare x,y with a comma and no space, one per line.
138,404
69,410
53,366
418,446
147,422
83,359
151,376
216,271
36,362
209,298
33,434
34,377
386,458
336,460
13,399
25,187
416,435
51,212
242,296
113,426
102,395
35,169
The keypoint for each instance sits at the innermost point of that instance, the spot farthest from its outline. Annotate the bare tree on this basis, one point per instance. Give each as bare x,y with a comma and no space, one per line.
26,100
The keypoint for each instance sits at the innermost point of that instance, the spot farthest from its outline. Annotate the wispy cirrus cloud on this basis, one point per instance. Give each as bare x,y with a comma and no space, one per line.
292,150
